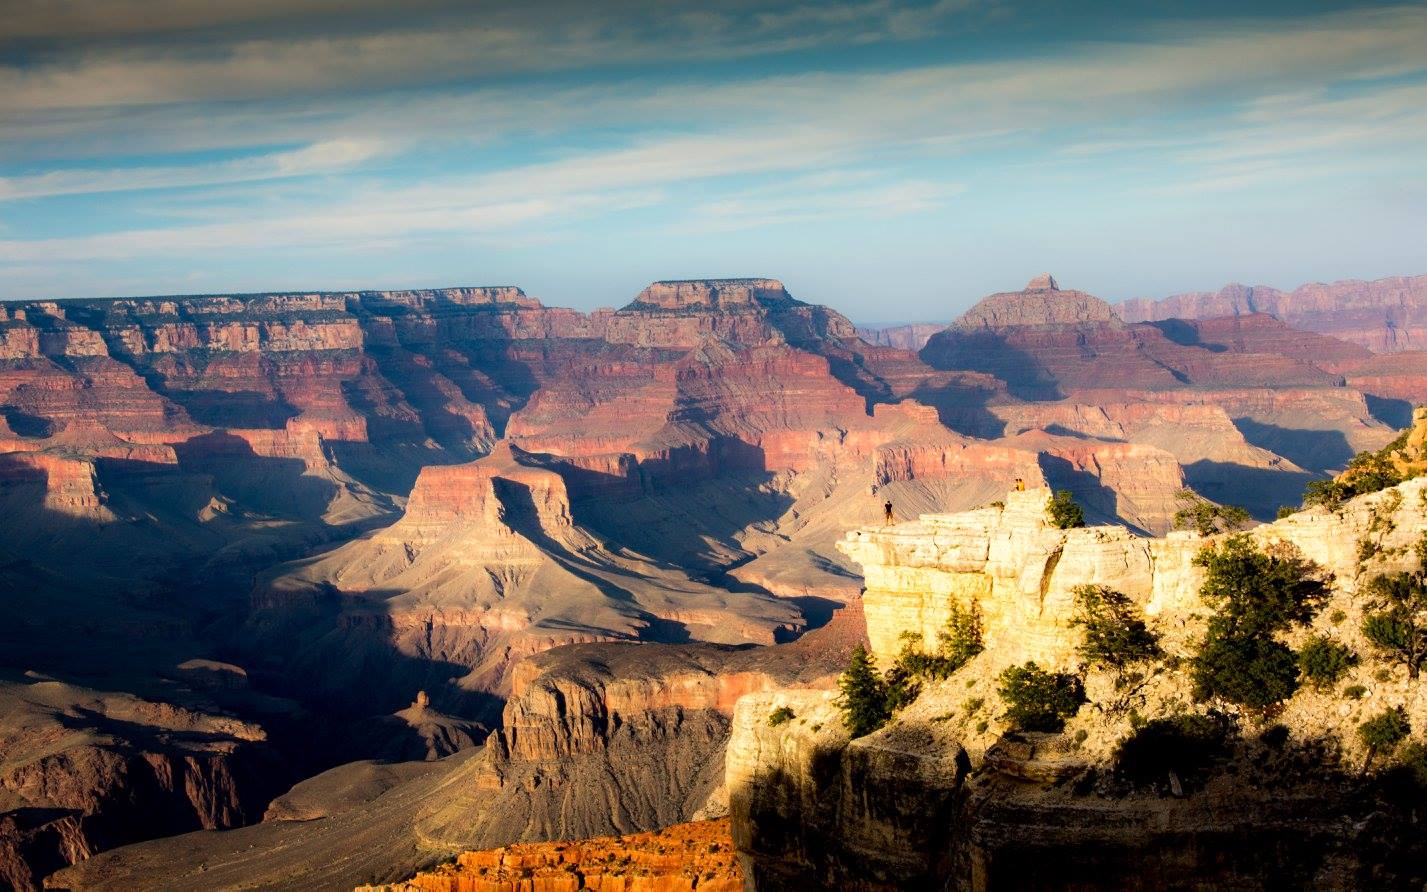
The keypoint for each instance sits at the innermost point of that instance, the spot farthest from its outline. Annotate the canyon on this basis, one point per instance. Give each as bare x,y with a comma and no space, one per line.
374,578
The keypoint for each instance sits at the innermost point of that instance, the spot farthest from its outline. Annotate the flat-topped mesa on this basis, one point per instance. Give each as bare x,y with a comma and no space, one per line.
478,296
1385,315
1040,303
706,295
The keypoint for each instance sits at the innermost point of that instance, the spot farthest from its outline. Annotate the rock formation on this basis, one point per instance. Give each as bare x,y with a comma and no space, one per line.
1384,315
681,858
946,794
596,739
350,497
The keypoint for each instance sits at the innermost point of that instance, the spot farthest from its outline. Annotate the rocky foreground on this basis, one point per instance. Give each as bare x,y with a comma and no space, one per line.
949,794
682,858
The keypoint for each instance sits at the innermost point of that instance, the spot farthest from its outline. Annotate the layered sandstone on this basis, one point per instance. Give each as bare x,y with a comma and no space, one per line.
1384,315
811,807
85,770
597,739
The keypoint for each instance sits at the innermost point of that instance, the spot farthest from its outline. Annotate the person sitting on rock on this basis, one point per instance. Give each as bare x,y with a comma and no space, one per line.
1020,485
887,513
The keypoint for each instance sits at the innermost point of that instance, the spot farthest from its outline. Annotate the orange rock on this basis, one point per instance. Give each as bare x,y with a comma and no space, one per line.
693,857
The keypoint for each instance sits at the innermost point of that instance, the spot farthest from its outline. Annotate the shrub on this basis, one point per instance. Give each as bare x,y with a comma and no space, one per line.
1064,513
779,716
864,695
1385,731
1037,700
1366,472
1258,591
957,643
1256,595
1113,635
1324,661
1355,692
1206,517
1252,672
900,685
1188,745
1397,625
1412,759
1336,617
961,640
1285,511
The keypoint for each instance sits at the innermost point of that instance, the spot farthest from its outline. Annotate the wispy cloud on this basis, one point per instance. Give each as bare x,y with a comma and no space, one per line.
319,158
330,133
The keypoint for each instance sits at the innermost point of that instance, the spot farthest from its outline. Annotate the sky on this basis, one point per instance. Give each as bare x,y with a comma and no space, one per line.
893,160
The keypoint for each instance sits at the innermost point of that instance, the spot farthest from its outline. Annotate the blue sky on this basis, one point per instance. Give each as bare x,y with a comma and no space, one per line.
893,160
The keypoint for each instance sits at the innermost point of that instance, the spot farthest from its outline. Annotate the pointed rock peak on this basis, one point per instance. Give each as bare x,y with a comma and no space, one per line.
708,295
1043,282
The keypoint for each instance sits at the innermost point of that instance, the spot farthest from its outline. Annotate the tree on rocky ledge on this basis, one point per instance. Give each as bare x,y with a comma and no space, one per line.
1064,513
1037,700
1206,517
1397,626
1383,732
1256,595
864,695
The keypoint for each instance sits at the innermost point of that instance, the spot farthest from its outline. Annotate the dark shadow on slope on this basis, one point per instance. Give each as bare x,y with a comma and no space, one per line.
1098,500
267,484
521,515
670,509
1185,334
991,353
962,409
1260,491
817,612
420,385
1392,412
1312,450
27,425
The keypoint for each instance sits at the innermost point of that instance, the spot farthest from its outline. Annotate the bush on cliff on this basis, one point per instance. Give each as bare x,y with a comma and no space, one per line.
1037,700
1063,512
1206,517
1112,633
1396,625
1256,595
1187,746
1366,472
864,695
1324,661
1383,732
957,642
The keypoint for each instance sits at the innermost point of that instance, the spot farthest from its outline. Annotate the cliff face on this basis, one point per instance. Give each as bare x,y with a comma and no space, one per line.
596,739
1384,315
810,807
86,770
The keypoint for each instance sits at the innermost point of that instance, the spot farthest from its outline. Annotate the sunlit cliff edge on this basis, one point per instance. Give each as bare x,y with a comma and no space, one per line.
946,793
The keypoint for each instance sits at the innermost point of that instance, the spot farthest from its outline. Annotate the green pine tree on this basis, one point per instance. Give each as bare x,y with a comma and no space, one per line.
864,695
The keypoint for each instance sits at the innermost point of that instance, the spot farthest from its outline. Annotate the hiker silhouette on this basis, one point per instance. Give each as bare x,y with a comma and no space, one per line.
887,512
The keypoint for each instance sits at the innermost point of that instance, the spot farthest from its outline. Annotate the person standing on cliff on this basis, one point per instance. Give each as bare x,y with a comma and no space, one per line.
887,513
